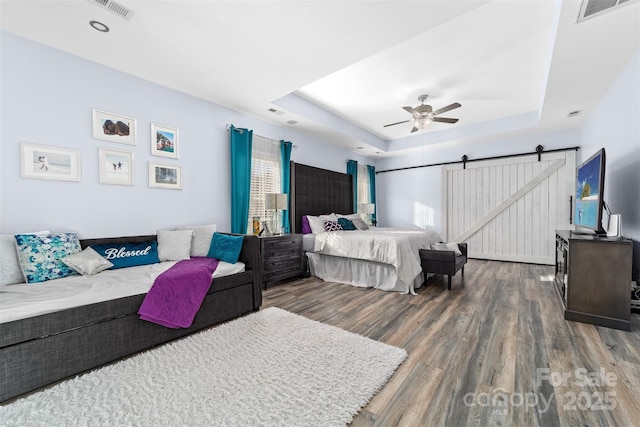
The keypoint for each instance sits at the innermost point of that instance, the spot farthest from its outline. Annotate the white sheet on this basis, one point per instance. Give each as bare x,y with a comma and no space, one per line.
308,242
358,272
396,247
23,300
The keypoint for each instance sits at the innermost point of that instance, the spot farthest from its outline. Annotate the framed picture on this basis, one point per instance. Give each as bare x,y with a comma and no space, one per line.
116,167
46,162
165,176
164,141
114,127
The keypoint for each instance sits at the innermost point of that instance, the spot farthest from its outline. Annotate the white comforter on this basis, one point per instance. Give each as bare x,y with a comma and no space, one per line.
394,246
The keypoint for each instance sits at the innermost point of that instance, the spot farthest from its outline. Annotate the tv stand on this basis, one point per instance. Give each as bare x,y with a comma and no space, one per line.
593,278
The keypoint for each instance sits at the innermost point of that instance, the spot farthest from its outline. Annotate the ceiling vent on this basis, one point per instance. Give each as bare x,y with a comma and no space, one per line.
114,7
591,8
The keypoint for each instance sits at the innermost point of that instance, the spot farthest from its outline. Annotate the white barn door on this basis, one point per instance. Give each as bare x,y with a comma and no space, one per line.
508,209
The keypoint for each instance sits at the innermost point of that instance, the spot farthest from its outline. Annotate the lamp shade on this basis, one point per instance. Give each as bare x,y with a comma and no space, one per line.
277,201
368,208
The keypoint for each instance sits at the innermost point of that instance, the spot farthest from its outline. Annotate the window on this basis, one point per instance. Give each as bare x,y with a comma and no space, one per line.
364,195
266,177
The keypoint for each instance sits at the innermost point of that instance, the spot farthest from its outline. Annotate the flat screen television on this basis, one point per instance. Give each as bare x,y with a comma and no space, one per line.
589,204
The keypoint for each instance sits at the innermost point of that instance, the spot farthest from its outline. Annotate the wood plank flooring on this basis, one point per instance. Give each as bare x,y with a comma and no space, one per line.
493,351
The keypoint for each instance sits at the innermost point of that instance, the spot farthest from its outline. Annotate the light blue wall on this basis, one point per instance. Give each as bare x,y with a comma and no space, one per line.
47,98
615,125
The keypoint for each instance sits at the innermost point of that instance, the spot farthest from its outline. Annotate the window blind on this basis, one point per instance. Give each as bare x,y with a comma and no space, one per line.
266,177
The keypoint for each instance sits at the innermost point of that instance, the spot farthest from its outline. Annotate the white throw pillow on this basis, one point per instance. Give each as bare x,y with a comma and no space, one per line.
88,262
447,247
10,271
202,240
174,245
316,223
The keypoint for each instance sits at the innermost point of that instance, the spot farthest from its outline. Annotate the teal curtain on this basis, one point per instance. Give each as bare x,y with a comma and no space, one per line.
285,154
352,169
240,178
372,190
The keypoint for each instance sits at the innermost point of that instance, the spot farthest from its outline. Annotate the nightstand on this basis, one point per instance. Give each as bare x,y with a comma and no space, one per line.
281,257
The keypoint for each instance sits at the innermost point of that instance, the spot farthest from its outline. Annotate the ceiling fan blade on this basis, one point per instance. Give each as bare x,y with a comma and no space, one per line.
445,120
393,124
447,108
411,111
415,129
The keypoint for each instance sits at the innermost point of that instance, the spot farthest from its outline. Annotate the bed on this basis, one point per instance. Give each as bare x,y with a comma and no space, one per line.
381,258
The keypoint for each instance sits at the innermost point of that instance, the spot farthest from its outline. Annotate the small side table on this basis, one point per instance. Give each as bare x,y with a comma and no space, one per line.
281,257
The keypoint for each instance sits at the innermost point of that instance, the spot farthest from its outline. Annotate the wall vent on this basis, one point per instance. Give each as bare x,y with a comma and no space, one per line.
591,8
114,7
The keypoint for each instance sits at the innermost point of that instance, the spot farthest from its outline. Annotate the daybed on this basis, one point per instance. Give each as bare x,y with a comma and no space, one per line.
37,351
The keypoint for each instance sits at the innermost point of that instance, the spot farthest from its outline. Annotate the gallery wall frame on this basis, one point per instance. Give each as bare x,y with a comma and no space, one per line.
165,176
164,141
49,162
114,127
116,166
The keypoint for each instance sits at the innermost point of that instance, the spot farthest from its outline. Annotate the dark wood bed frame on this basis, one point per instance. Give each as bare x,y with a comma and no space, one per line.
316,191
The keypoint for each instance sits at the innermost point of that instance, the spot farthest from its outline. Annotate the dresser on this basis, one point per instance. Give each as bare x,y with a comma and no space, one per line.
593,277
281,257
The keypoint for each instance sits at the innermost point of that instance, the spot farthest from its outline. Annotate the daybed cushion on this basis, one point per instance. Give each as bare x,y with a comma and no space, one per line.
174,245
225,247
202,240
88,262
129,254
40,255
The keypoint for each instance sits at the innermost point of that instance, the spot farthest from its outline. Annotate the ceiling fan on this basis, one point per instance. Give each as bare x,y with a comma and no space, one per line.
423,114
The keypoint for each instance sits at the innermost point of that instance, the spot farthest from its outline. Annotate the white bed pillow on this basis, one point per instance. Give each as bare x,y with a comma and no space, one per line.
202,240
88,262
174,245
10,272
316,223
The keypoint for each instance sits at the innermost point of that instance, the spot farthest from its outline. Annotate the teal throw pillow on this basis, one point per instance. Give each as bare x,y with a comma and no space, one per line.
129,254
225,247
346,224
41,255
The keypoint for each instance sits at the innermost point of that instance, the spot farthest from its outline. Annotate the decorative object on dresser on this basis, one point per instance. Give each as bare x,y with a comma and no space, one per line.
593,278
281,257
276,202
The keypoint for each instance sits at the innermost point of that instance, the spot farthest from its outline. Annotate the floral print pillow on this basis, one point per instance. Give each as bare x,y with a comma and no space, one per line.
40,255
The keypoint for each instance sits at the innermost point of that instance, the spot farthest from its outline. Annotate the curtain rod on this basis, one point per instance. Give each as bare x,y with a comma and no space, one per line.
465,159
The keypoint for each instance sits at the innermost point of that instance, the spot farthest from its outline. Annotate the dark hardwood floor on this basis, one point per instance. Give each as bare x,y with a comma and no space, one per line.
493,351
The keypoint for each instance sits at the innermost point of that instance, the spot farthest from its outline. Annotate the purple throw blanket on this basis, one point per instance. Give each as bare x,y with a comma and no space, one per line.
177,294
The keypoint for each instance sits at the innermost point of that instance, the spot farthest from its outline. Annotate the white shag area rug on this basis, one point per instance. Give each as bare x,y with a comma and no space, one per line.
270,368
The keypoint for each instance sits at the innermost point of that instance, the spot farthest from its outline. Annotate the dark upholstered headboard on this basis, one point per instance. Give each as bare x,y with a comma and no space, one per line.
316,191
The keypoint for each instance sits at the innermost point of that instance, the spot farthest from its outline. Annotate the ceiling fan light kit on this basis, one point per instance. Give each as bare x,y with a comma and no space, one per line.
423,114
